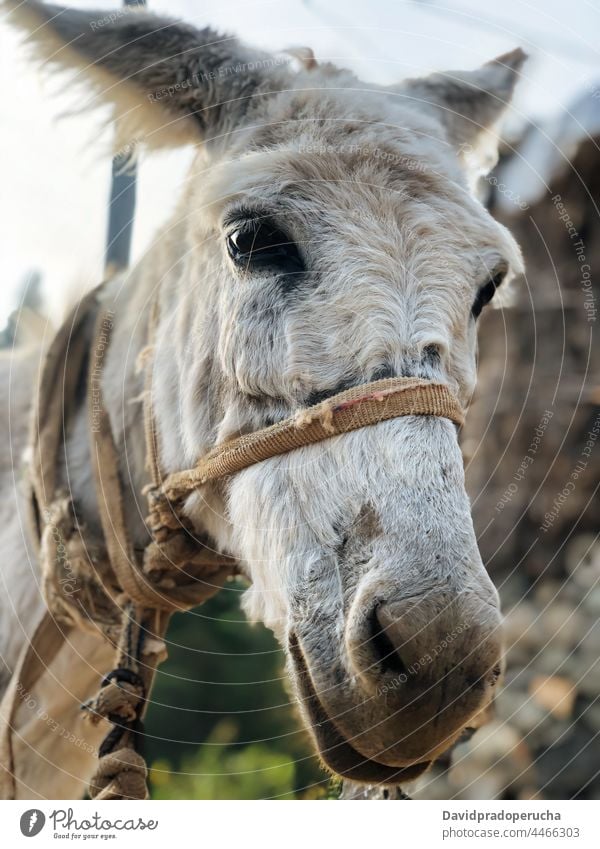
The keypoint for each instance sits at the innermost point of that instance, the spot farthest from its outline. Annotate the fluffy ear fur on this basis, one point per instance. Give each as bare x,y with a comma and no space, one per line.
168,82
469,104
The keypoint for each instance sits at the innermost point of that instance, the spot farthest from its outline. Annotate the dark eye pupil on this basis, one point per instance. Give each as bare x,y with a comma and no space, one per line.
485,294
242,241
262,245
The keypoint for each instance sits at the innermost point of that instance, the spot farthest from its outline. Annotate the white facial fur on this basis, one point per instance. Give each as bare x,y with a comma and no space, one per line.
360,550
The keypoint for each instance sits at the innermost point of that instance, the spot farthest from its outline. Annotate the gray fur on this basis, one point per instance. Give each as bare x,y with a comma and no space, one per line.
371,527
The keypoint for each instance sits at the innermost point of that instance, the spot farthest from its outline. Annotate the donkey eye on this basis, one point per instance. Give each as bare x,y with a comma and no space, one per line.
487,292
261,245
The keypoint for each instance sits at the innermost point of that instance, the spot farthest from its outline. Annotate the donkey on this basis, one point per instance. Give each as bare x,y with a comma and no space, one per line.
329,235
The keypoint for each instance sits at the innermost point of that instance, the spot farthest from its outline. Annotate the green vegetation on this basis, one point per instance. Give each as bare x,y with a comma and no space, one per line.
220,725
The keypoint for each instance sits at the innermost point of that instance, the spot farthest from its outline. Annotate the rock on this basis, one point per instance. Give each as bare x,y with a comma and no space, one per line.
552,659
433,785
568,768
589,714
495,759
582,559
586,671
562,623
529,793
547,593
555,693
591,601
519,629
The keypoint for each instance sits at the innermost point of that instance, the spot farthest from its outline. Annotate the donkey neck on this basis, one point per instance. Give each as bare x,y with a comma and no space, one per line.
125,299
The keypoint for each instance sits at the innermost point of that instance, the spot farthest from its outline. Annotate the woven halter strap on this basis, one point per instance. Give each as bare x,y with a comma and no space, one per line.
361,406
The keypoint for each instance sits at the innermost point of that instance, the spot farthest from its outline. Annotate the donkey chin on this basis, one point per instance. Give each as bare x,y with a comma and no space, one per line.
363,561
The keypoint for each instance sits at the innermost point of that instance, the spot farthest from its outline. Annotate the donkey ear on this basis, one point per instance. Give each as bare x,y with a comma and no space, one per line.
470,105
168,83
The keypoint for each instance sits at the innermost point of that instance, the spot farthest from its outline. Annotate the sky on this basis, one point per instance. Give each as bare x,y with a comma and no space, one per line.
56,169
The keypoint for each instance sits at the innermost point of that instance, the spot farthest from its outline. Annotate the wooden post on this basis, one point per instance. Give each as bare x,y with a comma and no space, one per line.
121,208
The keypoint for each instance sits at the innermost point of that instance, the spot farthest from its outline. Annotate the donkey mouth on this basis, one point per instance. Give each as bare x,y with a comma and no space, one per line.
335,751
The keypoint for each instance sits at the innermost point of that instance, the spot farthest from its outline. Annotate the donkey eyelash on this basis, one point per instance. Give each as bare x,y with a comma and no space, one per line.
244,215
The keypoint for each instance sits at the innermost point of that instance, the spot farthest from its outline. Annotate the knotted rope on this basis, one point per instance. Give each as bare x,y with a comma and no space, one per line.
122,771
120,590
132,594
174,572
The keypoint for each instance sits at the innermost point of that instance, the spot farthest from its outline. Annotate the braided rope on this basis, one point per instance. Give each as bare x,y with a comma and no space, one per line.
361,406
176,571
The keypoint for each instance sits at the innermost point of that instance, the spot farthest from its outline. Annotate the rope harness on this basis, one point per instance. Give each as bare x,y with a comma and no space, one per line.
130,594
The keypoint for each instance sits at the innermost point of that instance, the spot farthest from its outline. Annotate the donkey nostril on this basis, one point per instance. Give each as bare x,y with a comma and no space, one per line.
383,372
387,656
432,354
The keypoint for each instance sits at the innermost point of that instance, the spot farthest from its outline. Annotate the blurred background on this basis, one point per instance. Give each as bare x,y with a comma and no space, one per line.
221,725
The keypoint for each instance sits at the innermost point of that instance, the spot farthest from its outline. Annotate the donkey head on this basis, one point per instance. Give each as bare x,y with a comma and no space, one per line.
328,237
